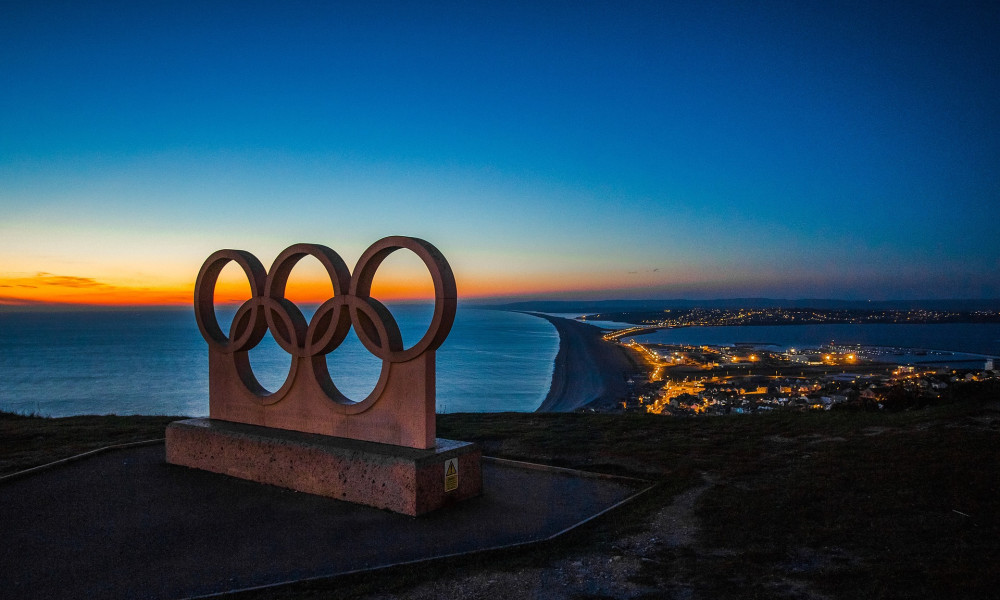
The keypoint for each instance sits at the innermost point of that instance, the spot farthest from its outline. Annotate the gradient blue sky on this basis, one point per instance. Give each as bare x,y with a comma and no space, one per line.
549,149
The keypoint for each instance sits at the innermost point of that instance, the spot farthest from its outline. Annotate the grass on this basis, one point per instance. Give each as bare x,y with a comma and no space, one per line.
30,441
801,505
844,505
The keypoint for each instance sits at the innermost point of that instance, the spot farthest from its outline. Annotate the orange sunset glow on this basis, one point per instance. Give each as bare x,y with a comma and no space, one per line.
401,277
47,288
395,285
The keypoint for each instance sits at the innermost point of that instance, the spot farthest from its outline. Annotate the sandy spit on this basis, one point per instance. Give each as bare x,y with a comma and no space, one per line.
588,370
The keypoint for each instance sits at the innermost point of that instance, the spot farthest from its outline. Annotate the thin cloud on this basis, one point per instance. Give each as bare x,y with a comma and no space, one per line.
15,301
69,281
49,289
44,288
43,279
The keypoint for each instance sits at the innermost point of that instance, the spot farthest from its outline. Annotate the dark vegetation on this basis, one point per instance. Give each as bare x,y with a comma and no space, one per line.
28,441
849,504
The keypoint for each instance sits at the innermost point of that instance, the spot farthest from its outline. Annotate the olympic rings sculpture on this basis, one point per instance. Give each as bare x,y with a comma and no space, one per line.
309,343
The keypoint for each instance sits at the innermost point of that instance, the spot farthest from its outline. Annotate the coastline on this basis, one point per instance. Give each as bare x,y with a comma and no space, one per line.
588,370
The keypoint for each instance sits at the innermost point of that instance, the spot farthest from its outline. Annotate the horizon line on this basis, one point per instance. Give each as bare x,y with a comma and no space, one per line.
491,301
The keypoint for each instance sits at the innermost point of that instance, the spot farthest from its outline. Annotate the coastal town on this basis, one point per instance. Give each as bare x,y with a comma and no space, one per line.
678,379
704,317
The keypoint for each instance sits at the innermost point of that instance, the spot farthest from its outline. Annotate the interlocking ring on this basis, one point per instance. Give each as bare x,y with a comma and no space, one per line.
351,305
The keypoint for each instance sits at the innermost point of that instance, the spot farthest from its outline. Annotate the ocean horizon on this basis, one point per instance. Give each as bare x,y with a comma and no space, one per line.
156,362
145,361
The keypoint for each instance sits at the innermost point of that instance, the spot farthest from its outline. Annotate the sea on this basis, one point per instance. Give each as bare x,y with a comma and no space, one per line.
155,362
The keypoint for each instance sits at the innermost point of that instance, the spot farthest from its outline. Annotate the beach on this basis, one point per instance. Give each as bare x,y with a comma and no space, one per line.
588,370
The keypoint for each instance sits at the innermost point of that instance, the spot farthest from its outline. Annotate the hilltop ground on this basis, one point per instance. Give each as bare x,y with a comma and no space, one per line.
790,505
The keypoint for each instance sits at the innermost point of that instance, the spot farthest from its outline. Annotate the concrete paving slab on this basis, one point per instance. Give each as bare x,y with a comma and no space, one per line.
125,524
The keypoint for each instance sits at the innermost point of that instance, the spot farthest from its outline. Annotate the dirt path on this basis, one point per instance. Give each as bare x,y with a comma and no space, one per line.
614,574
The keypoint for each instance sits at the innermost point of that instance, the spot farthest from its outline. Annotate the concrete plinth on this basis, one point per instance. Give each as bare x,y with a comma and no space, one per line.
404,480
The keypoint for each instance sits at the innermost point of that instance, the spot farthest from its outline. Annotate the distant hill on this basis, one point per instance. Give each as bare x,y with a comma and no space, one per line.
596,306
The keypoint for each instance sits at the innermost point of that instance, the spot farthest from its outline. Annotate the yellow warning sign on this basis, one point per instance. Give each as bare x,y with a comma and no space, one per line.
451,475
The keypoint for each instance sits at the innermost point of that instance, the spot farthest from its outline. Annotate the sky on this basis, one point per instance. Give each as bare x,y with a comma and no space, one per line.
574,150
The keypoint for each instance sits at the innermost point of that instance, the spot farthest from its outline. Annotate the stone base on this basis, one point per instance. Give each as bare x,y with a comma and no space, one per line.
397,478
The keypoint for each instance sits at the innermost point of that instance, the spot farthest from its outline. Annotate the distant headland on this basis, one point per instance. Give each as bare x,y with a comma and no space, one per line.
622,305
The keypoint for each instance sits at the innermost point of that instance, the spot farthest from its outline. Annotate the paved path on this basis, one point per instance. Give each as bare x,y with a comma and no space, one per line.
125,524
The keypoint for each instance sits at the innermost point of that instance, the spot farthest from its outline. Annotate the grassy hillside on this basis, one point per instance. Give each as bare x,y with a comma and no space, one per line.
788,505
843,505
